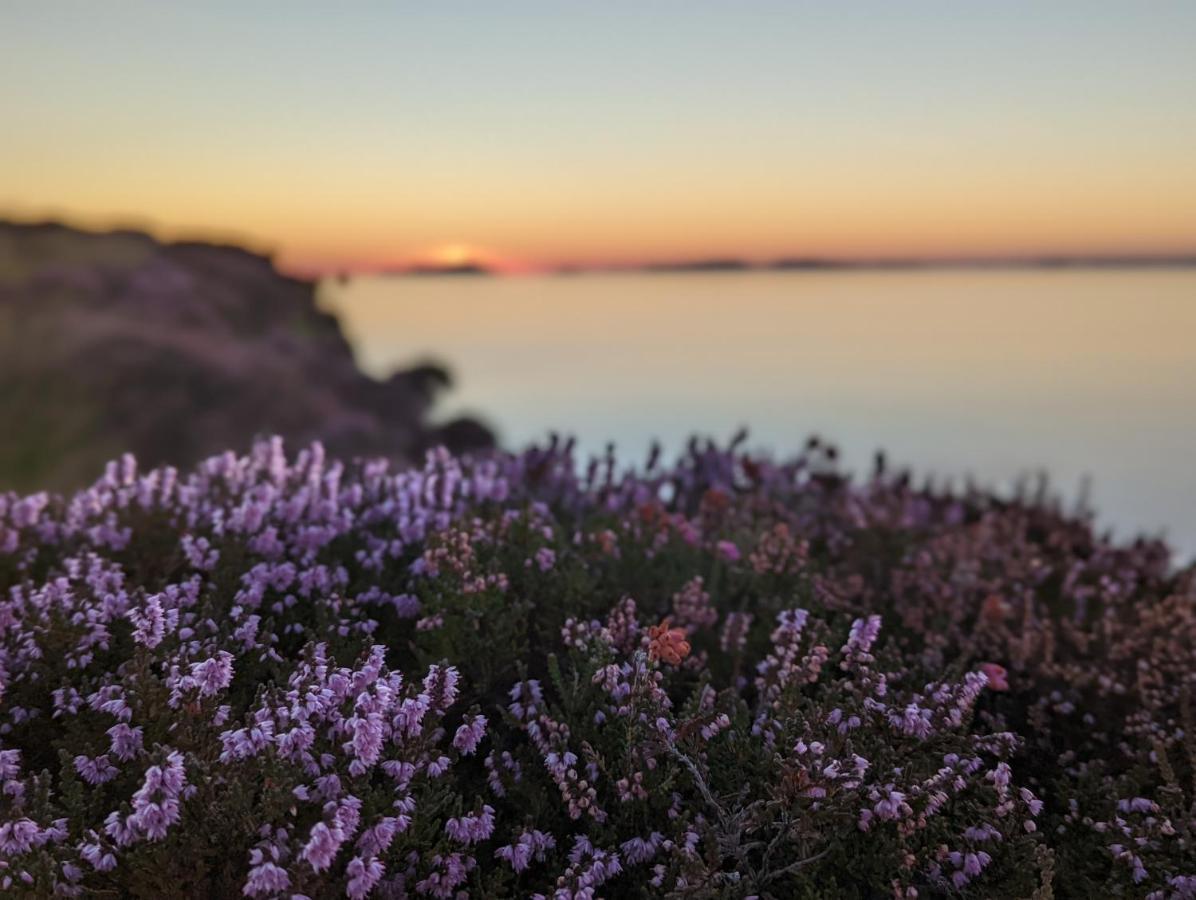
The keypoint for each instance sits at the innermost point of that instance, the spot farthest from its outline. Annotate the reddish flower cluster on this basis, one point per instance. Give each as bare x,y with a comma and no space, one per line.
667,644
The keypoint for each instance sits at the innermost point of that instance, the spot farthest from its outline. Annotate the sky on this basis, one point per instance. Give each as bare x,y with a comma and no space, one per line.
528,135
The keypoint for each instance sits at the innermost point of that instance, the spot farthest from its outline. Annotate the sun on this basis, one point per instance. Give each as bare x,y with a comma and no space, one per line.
451,255
461,255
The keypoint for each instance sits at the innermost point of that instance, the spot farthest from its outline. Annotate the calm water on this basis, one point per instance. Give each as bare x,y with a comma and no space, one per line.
993,374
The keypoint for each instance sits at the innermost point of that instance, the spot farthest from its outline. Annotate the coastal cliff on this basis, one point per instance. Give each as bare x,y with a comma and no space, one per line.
115,341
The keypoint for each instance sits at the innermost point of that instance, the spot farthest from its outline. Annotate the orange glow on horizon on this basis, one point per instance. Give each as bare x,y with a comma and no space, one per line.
458,254
312,242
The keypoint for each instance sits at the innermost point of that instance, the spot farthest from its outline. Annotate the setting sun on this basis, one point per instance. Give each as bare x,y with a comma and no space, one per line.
451,255
458,255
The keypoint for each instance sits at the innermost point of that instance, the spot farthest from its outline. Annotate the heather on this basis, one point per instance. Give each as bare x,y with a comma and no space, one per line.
528,675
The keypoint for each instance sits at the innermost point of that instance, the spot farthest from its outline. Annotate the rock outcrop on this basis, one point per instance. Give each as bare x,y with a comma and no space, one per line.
115,341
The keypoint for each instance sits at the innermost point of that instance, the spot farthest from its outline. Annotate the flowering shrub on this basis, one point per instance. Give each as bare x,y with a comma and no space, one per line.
504,676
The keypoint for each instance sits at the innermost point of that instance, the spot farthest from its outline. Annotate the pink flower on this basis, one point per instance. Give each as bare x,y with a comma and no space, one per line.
728,551
997,676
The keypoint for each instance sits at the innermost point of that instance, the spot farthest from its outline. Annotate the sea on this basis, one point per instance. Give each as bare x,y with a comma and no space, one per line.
999,376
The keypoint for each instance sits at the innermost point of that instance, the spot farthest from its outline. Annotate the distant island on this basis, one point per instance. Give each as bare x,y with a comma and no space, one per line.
799,263
699,265
464,269
729,264
713,265
469,269
814,264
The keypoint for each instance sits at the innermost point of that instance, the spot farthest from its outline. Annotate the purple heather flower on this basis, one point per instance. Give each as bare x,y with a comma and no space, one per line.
448,873
471,829
213,675
93,853
126,741
95,771
149,622
470,734
377,838
10,764
863,635
639,850
1134,804
156,802
321,846
19,836
363,875
266,878
728,551
531,844
369,733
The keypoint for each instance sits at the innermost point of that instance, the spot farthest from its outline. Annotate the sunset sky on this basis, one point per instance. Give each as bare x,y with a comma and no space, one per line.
539,134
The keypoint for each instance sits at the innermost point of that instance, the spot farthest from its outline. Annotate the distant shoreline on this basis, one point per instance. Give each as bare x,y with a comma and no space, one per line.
798,264
702,265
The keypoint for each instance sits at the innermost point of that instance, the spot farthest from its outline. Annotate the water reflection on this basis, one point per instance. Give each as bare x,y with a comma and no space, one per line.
993,374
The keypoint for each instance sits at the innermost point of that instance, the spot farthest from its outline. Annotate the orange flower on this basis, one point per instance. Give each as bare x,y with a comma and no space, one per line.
608,541
715,502
994,609
651,513
666,643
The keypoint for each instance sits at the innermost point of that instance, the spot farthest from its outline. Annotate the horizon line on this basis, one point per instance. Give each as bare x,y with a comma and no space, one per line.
733,265
711,264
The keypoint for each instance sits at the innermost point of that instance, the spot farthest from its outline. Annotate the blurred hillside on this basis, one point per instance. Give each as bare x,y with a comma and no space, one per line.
115,342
